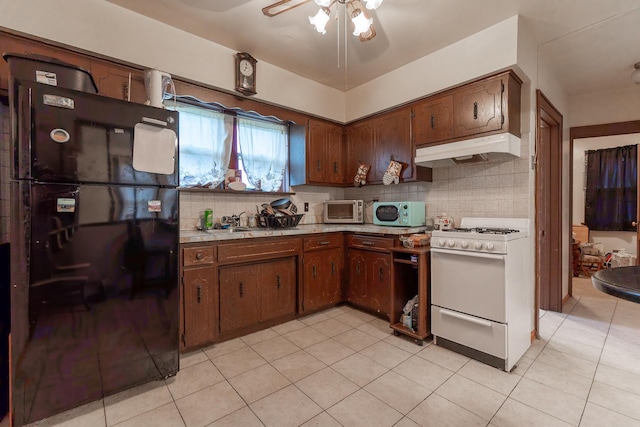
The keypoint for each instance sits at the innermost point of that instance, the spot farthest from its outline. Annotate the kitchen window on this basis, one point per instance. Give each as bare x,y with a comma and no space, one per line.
211,142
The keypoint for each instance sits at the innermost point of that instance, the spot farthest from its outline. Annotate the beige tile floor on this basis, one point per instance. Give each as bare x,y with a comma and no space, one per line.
343,367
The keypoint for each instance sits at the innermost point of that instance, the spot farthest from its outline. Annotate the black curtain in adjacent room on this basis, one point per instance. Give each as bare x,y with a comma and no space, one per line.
610,199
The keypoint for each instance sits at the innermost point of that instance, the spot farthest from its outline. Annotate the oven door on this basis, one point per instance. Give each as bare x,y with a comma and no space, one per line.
469,282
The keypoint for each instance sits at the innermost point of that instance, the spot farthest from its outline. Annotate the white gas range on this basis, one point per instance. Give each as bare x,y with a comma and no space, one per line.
482,289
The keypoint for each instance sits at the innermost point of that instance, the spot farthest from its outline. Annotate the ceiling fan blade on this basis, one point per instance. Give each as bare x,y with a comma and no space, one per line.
282,6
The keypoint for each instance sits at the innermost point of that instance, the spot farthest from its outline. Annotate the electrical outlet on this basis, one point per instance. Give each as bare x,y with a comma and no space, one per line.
306,206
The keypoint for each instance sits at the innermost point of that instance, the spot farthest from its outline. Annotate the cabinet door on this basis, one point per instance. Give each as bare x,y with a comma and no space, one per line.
360,150
393,142
239,297
113,81
357,292
200,306
335,154
433,120
325,158
478,108
332,274
278,287
316,161
379,280
312,289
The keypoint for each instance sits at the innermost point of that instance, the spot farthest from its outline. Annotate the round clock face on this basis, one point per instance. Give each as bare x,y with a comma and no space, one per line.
246,68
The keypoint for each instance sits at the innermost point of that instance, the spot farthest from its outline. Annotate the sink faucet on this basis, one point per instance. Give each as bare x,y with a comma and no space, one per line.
233,220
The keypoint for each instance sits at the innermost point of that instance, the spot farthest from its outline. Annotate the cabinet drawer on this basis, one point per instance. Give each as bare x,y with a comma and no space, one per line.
198,255
322,242
370,242
258,249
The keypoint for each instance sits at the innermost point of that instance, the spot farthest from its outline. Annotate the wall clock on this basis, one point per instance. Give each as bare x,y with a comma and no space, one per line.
245,73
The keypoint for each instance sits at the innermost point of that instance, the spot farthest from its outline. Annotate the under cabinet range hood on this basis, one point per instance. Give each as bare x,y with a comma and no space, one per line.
503,145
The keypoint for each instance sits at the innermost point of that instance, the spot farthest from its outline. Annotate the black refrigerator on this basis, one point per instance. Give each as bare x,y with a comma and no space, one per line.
94,248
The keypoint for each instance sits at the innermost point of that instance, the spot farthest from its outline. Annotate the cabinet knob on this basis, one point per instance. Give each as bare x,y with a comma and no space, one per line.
313,271
335,167
278,281
199,293
475,111
199,256
380,272
433,121
333,268
241,289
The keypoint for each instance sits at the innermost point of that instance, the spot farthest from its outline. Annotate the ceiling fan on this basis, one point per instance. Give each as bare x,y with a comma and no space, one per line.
354,9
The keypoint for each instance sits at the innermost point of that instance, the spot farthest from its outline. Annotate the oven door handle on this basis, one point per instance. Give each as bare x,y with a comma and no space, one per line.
465,317
468,253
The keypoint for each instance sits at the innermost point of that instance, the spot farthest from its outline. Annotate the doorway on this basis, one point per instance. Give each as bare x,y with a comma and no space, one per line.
548,206
594,131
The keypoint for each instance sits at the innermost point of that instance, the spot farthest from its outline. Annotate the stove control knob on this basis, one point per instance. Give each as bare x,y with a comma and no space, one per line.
478,245
490,246
464,244
451,243
442,242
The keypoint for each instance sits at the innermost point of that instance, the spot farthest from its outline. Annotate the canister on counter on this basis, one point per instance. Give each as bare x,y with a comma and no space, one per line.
208,219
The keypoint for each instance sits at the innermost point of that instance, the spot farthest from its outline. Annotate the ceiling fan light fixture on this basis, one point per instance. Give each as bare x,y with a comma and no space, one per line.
361,22
372,4
320,19
635,76
323,3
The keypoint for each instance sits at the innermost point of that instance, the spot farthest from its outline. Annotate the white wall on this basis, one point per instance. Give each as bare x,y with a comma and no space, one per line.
102,27
605,107
474,56
610,239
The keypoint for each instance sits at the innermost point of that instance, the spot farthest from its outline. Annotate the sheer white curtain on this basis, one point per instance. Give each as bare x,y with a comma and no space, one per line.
263,150
205,143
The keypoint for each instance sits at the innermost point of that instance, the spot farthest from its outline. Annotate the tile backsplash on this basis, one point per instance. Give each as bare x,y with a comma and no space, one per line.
496,188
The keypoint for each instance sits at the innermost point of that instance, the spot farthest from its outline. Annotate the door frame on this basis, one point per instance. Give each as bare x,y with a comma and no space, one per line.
594,131
548,226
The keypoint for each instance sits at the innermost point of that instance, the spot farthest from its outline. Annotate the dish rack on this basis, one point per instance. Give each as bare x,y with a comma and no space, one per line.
278,221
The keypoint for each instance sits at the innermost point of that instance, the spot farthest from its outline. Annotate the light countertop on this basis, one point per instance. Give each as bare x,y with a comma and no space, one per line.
190,236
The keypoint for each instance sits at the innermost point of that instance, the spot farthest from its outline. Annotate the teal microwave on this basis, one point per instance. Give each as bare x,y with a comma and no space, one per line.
399,214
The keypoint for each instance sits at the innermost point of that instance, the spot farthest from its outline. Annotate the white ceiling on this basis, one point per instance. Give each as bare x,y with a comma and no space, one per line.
592,44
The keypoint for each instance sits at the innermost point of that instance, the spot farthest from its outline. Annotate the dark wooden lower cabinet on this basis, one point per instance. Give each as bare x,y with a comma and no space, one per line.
278,288
322,279
240,298
200,301
199,305
379,281
369,279
233,288
323,271
370,272
358,289
254,293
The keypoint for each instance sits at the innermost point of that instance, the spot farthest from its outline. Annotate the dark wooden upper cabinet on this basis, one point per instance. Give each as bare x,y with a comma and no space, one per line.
433,120
317,157
360,149
393,142
478,108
